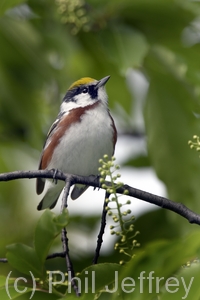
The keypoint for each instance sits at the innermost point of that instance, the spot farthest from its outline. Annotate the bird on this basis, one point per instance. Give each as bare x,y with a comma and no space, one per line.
83,132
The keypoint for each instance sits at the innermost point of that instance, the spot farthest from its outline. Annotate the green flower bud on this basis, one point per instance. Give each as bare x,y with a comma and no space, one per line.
123,239
126,192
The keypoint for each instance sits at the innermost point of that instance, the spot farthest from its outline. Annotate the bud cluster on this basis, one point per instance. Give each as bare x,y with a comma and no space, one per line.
123,227
195,144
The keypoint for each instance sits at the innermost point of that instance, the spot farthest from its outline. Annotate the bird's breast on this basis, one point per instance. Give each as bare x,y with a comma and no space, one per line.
84,135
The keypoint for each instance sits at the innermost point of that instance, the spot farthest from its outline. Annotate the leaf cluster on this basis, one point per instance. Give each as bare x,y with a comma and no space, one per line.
106,280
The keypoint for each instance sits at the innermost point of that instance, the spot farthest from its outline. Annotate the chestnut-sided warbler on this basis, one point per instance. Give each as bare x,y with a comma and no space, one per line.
82,133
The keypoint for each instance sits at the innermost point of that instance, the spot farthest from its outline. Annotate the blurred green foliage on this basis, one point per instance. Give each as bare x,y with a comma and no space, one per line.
46,45
142,274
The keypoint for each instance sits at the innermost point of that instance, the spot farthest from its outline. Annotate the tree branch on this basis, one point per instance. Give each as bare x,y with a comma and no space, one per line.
178,208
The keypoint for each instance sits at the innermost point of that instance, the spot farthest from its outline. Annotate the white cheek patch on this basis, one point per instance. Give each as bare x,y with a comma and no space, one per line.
67,106
81,100
84,99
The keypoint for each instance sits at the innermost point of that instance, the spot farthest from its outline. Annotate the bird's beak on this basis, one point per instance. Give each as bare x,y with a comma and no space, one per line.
102,82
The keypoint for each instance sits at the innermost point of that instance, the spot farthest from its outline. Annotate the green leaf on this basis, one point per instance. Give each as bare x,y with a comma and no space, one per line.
48,227
7,4
28,260
167,229
170,123
19,287
186,284
140,161
24,259
160,21
164,259
95,278
128,45
2,281
14,293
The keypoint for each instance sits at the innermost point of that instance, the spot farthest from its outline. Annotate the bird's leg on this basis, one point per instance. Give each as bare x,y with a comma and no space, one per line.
55,171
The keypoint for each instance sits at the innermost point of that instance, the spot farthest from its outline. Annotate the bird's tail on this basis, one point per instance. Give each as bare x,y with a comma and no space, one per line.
78,190
52,194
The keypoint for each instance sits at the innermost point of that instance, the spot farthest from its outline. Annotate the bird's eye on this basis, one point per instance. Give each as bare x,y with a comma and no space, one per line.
85,90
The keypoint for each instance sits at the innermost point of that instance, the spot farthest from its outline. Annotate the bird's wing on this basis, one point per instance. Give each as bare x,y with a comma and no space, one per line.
40,182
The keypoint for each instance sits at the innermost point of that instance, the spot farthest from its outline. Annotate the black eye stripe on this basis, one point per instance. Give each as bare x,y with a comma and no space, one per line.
69,95
91,89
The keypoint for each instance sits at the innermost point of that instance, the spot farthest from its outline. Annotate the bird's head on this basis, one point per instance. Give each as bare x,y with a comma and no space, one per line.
85,91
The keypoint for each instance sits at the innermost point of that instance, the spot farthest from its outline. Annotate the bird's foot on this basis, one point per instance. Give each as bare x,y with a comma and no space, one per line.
97,177
55,180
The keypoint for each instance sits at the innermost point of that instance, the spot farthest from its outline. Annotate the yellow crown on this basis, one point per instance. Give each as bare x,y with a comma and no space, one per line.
81,81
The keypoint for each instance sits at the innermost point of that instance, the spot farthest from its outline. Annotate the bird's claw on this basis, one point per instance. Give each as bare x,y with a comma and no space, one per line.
55,180
97,177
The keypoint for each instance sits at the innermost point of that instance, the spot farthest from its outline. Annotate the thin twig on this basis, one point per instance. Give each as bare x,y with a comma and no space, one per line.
50,256
54,255
3,260
70,268
65,240
102,229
